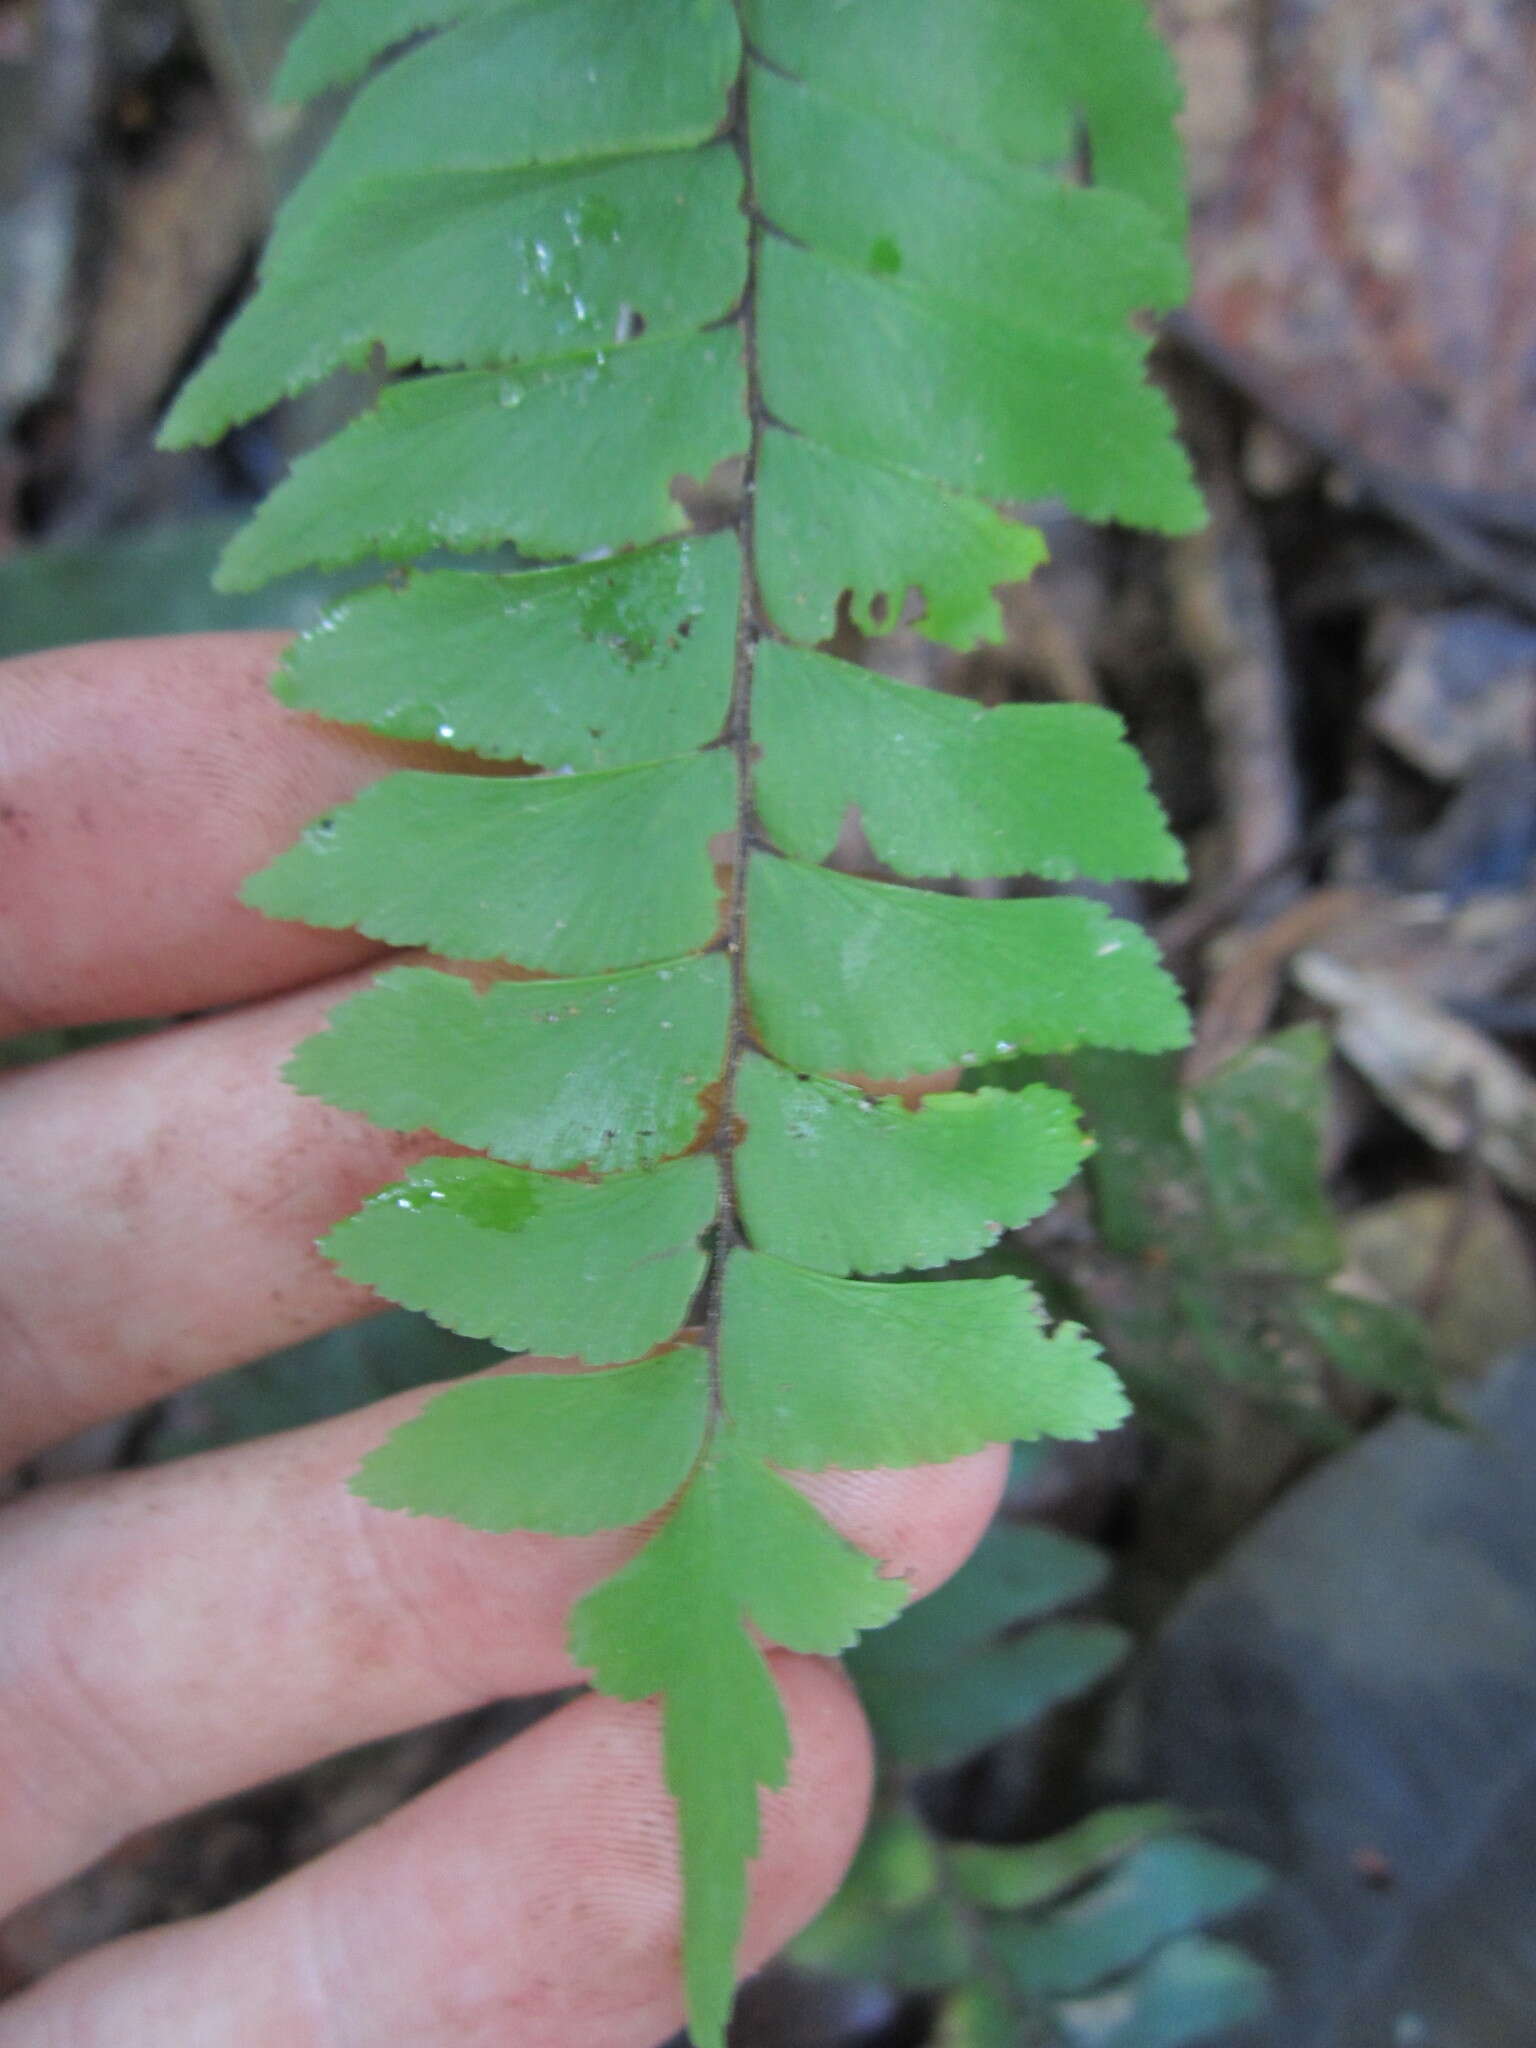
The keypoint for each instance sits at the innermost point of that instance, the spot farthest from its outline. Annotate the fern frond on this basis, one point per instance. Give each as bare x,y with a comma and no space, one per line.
885,258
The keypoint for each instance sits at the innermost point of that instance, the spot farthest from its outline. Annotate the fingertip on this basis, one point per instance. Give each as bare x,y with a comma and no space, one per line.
923,1522
145,780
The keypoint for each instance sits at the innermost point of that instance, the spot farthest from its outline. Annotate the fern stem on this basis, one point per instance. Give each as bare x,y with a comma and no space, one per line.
737,738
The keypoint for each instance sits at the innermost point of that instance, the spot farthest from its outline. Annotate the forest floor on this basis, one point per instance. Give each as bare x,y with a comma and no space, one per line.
1335,684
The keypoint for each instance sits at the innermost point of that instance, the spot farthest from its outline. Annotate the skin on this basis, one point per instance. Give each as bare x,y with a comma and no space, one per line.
168,1637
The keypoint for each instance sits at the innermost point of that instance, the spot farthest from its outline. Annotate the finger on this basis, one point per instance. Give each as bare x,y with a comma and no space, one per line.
141,781
159,1211
531,1899
168,1637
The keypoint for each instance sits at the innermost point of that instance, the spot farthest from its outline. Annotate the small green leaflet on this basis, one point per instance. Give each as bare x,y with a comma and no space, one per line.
1227,1255
819,1371
607,1072
975,2018
836,1181
516,87
565,837
1193,1990
834,280
1106,1911
562,1453
982,411
866,190
476,458
564,668
1000,82
985,1698
856,977
943,785
829,524
422,272
1259,1125
537,1264
1007,1880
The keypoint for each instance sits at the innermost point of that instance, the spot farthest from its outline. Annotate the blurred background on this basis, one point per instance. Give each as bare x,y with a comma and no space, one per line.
1298,1597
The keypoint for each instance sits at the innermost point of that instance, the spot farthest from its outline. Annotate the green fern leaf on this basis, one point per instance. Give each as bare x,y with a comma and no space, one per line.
565,836
867,191
817,1371
1021,1573
946,787
535,1263
1013,413
832,1180
878,269
421,272
828,526
1225,1256
858,977
605,1073
520,85
498,1453
1011,1880
562,668
468,460
1193,1990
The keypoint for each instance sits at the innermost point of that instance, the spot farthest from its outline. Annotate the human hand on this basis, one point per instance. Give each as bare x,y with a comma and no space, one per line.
168,1637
